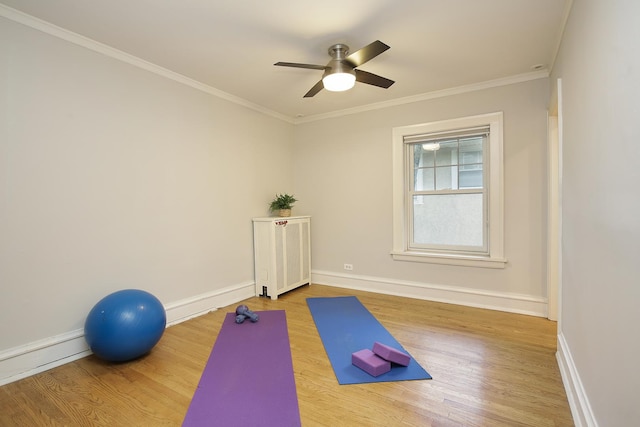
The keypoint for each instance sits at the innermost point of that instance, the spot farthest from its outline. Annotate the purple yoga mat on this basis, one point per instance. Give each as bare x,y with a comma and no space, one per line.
248,380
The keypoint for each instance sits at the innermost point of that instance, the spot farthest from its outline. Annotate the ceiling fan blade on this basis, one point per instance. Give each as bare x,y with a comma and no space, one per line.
367,53
315,89
373,79
296,65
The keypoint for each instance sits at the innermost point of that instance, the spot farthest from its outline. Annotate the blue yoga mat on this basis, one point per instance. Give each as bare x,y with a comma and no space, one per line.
346,326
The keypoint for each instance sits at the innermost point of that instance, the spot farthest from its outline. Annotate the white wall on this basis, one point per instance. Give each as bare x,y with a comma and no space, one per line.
343,178
114,177
599,64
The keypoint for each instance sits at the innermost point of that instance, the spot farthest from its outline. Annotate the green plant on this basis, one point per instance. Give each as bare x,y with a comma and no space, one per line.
282,201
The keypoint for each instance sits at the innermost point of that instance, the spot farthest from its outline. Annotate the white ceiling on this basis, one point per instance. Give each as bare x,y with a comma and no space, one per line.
231,45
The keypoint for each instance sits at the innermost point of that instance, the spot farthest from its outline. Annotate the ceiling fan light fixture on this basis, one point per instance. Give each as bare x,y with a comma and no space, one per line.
342,72
339,82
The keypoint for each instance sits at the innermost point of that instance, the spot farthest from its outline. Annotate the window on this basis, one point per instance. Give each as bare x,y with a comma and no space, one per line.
448,192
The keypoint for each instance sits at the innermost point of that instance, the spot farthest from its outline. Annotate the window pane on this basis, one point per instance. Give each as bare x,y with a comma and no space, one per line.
447,154
471,150
423,179
471,159
470,178
447,178
471,163
430,147
423,154
448,220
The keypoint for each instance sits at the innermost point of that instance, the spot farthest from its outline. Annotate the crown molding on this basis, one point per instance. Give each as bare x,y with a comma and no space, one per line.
79,40
519,78
565,18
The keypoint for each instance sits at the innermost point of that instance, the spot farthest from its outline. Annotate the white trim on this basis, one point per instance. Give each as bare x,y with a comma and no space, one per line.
458,90
560,185
553,237
188,308
501,301
463,260
77,39
554,204
39,356
565,18
576,394
495,200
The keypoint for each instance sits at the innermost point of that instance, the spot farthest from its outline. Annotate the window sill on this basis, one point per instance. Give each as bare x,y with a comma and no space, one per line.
462,260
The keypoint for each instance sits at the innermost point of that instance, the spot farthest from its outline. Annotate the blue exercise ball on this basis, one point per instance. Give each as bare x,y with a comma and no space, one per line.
125,325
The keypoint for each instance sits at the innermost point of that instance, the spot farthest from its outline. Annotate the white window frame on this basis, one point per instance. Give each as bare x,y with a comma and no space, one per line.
495,187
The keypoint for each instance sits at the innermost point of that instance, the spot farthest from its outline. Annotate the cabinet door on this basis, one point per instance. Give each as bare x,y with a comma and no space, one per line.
294,254
281,257
305,252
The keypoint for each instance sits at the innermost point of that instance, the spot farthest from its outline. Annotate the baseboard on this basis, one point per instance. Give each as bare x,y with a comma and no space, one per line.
501,301
23,361
578,402
179,311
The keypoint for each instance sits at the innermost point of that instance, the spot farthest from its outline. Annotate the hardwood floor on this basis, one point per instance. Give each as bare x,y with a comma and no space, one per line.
489,369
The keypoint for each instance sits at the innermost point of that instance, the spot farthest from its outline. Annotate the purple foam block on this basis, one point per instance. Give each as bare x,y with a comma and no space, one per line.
367,360
391,354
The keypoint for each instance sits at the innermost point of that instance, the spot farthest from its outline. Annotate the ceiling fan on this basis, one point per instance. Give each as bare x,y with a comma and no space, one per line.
340,73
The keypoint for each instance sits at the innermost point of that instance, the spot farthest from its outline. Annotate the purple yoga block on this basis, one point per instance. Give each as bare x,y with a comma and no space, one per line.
391,354
370,363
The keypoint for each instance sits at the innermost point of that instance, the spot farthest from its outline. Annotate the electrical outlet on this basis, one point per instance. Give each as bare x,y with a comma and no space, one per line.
348,267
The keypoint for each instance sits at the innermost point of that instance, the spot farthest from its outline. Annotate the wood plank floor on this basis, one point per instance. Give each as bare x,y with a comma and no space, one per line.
489,369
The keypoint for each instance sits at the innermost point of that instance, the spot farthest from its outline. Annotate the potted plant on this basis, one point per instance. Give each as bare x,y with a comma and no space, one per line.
283,204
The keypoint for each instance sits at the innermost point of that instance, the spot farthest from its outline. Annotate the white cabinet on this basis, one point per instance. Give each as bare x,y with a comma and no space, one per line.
282,249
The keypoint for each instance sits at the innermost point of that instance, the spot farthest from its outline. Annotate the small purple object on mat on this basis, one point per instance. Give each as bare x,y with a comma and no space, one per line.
248,380
369,362
391,354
